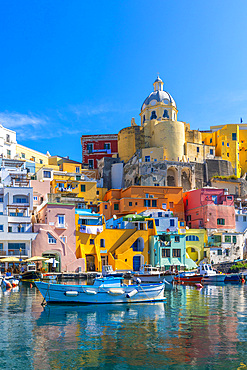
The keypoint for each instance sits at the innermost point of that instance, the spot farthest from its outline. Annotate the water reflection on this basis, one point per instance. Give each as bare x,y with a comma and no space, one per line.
198,329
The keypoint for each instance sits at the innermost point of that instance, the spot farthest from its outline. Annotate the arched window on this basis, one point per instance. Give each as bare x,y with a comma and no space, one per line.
166,115
144,118
193,238
153,115
20,199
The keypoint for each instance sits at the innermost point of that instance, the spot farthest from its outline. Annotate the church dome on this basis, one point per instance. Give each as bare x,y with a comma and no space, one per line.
158,95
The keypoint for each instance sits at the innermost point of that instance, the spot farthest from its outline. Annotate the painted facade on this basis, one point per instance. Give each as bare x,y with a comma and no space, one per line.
55,228
209,208
196,241
225,247
95,147
125,245
139,198
7,143
32,156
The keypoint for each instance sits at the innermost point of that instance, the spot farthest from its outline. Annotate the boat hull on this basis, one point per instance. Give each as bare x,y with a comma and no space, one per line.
152,278
87,294
189,279
31,276
214,278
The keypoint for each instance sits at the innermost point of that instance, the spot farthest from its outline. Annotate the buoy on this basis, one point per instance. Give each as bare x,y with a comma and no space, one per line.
243,280
31,285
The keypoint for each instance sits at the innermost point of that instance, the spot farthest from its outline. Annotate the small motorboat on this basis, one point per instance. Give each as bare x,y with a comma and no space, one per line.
9,281
31,274
49,276
210,275
234,278
103,290
188,278
107,270
150,274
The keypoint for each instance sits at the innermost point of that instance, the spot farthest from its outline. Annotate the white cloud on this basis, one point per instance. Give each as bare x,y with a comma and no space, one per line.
14,120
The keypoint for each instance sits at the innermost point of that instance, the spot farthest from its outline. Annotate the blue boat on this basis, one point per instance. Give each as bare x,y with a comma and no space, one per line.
104,290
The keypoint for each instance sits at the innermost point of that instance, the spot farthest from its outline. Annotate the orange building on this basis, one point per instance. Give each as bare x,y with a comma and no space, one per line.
121,202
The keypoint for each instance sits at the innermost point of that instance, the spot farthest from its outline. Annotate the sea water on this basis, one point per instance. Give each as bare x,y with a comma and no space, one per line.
193,329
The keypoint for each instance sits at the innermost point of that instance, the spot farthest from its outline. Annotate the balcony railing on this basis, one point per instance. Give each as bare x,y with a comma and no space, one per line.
16,252
61,226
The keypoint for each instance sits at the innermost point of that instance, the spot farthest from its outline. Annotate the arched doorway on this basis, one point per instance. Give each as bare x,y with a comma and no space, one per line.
186,179
193,253
90,261
138,245
172,176
138,261
52,267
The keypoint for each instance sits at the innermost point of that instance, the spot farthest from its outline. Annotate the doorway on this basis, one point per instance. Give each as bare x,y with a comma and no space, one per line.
90,261
138,261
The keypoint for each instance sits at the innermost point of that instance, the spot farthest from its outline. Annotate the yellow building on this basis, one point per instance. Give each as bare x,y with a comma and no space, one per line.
75,183
230,143
123,248
71,166
161,136
196,240
31,155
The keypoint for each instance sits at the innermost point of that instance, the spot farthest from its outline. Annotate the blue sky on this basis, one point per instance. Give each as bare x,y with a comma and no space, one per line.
84,67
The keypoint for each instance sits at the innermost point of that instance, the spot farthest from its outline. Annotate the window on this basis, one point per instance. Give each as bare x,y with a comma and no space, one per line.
172,222
171,204
91,163
166,253
91,241
41,161
227,154
144,118
189,218
105,206
211,140
10,229
228,239
102,243
193,250
1,227
177,238
229,198
198,149
147,158
192,238
63,239
156,184
227,253
176,253
154,203
1,199
164,205
214,199
146,195
116,207
90,148
61,220
166,115
51,239
8,138
220,221
23,155
153,115
228,145
223,143
157,222
147,203
35,198
21,229
236,218
107,146
211,152
150,224
234,136
47,174
219,252
77,169
32,159
83,188
244,218
1,246
217,238
130,204
234,239
8,152
136,203
159,214
78,177
19,199
97,192
16,246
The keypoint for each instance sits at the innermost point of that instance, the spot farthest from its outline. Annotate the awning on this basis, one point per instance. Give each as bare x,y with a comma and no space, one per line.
36,259
10,259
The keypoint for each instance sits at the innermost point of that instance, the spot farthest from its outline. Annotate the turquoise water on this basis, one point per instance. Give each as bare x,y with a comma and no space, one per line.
194,329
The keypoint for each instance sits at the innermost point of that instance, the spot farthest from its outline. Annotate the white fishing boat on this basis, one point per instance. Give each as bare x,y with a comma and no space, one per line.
104,290
150,274
210,275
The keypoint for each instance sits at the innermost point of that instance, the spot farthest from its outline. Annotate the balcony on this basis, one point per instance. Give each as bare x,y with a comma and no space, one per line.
16,253
61,226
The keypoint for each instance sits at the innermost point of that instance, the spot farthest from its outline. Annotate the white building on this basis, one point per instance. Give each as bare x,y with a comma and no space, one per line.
7,143
16,204
241,220
225,247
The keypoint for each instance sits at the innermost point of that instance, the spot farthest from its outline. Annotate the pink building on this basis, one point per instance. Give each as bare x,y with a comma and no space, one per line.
209,208
56,236
40,191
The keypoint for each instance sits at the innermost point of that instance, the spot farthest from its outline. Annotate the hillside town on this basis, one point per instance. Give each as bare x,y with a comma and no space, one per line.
156,193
